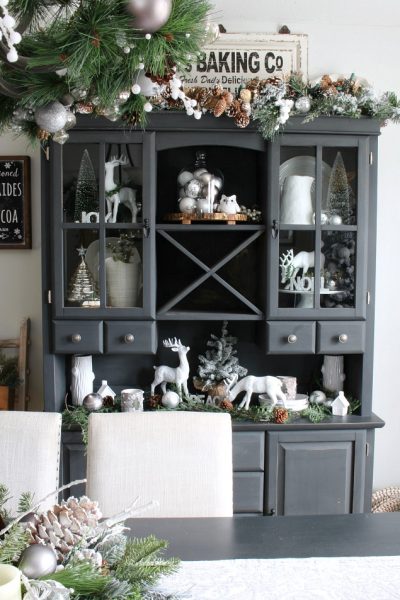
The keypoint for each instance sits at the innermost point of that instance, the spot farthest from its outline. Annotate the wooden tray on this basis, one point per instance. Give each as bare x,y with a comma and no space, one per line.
188,218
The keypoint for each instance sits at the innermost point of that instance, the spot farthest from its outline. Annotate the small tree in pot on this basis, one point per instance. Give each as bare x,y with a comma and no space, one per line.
219,364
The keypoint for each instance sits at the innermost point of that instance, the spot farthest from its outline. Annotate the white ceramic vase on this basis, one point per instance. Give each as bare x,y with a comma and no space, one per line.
333,373
296,201
123,281
82,377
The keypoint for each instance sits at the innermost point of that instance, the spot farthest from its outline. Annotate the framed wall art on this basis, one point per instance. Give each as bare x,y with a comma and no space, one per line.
15,203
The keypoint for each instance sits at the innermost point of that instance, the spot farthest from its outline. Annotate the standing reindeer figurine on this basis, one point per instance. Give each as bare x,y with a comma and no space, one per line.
179,375
257,385
116,195
291,265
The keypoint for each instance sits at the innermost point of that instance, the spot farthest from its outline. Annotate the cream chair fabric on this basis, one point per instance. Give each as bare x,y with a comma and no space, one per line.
183,460
29,454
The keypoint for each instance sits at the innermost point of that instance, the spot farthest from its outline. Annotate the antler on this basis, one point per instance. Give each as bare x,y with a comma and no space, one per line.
172,343
122,160
286,259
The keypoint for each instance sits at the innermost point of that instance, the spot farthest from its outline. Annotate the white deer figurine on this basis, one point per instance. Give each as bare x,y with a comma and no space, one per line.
179,375
257,385
290,265
123,195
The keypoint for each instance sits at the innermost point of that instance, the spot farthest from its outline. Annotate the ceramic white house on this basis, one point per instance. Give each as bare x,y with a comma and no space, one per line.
340,405
105,390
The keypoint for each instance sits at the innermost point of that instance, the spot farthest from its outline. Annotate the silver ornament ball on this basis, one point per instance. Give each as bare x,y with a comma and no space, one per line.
317,397
303,104
193,188
150,15
170,399
51,117
71,120
335,219
61,137
92,402
37,560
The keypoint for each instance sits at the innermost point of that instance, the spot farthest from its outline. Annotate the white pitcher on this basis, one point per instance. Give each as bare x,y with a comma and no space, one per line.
296,202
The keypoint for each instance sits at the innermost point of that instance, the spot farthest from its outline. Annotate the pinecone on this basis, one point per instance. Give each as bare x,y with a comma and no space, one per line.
242,119
227,96
281,415
108,401
154,401
65,524
42,135
220,107
131,118
85,108
161,79
226,404
234,108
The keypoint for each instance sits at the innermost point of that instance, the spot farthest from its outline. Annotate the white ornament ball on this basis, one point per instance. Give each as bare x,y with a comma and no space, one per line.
12,55
205,177
187,205
51,117
15,37
147,107
324,218
193,188
37,560
317,396
335,220
126,50
148,36
8,21
170,399
303,104
150,15
184,177
136,89
199,172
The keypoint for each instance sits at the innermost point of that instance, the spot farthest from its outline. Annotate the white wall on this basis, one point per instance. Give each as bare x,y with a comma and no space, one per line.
344,37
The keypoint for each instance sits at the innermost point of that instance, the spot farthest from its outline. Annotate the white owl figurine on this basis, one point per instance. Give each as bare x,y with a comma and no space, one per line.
228,205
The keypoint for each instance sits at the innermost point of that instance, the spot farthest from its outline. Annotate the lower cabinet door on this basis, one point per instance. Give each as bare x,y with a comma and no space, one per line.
248,492
316,472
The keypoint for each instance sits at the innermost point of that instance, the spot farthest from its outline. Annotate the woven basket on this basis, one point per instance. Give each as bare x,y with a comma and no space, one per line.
386,500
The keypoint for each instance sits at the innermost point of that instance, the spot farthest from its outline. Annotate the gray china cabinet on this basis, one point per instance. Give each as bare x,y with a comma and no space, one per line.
295,282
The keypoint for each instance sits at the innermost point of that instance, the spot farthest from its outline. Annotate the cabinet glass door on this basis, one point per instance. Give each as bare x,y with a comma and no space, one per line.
319,208
104,222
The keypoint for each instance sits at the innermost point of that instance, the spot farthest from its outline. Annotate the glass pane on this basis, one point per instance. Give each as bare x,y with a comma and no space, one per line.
123,183
80,268
80,183
124,268
339,249
296,269
297,185
339,198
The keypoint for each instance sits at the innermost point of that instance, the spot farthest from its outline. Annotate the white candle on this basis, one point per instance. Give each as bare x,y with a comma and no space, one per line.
10,583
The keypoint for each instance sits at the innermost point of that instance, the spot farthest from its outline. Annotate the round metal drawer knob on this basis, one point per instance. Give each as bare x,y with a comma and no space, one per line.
343,338
76,338
129,338
292,339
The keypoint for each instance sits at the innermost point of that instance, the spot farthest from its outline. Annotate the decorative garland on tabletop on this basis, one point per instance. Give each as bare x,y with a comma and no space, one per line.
120,58
67,553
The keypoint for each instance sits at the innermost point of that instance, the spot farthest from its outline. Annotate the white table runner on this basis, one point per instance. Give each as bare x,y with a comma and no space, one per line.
342,578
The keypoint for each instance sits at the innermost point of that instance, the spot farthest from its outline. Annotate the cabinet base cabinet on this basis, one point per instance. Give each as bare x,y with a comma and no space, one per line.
316,473
288,472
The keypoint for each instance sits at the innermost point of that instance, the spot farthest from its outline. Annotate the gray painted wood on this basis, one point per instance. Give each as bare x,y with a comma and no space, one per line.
248,451
77,337
280,338
330,334
248,492
130,337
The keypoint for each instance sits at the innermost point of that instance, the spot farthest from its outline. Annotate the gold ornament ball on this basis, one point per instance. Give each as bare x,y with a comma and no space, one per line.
37,560
150,15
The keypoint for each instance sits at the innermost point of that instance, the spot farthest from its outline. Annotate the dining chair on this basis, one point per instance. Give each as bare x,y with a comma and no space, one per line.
182,460
29,455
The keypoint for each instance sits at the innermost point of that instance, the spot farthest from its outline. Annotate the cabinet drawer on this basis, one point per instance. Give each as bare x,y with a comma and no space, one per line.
340,337
77,337
131,337
248,451
290,337
248,494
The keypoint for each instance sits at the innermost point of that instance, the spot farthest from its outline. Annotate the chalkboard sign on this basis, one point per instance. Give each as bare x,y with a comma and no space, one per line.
15,202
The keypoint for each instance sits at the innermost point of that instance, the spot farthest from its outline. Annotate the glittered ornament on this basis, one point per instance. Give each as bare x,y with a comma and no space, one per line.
123,96
170,399
150,15
37,560
193,188
303,104
51,117
335,220
61,136
184,177
92,401
317,397
71,120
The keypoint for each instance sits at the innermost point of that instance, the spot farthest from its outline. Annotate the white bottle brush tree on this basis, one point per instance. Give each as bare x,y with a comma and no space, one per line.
220,363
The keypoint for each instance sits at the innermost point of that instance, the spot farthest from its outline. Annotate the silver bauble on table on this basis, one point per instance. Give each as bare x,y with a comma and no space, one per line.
92,402
303,104
51,117
37,560
170,399
150,15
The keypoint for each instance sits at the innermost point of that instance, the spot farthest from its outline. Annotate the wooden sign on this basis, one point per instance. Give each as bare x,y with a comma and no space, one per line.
235,58
15,203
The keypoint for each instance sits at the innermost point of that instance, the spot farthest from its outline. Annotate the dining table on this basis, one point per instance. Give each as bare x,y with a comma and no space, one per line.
328,557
